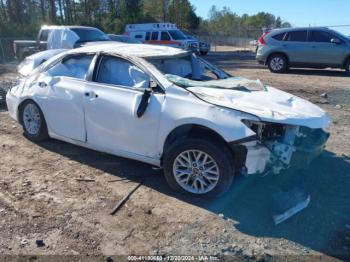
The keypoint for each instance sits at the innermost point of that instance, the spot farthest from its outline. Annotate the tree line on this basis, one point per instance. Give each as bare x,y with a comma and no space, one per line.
23,18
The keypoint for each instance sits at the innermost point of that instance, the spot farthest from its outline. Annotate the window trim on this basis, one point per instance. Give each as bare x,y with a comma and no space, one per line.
317,30
285,39
154,32
97,66
66,57
167,33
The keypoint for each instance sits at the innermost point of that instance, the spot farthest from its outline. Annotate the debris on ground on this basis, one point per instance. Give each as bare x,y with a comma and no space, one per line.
40,243
85,180
338,107
24,242
123,201
287,204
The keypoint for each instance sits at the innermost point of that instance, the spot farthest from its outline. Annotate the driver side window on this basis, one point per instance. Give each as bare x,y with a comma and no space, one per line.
121,72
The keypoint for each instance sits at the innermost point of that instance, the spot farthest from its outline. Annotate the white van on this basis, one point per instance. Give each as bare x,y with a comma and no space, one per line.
161,34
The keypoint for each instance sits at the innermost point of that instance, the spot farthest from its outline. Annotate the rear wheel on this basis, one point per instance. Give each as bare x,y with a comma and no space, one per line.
198,167
277,63
33,122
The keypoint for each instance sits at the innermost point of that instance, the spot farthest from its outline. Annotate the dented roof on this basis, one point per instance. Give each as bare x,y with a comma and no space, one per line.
137,50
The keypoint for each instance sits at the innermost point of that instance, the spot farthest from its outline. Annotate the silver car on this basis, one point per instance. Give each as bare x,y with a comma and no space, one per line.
311,47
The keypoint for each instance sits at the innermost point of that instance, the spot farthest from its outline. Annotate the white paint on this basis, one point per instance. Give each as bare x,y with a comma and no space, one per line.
106,120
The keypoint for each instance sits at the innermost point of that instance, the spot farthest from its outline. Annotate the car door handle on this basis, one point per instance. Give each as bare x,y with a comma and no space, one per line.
91,94
42,84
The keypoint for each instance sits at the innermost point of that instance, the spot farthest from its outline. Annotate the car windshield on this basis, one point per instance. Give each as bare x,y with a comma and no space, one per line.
342,35
128,39
177,35
190,71
90,35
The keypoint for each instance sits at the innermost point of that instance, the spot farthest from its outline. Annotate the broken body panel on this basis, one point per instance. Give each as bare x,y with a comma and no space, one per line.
269,129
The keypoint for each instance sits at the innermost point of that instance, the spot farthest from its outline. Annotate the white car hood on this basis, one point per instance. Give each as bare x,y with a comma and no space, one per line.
269,104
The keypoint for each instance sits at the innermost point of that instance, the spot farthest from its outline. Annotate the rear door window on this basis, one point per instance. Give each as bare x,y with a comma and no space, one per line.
76,67
321,36
154,36
148,34
165,36
278,37
297,36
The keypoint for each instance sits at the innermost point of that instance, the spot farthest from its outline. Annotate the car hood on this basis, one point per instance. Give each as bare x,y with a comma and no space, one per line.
269,104
251,96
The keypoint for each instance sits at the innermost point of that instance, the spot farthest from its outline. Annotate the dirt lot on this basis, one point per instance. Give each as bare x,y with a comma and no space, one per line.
41,198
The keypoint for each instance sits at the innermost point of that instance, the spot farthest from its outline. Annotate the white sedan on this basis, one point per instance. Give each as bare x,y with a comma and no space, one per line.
169,108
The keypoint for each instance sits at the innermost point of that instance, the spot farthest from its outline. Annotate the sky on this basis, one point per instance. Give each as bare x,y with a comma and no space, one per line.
297,12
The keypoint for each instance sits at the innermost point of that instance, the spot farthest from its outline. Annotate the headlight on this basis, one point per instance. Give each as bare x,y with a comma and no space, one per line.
266,130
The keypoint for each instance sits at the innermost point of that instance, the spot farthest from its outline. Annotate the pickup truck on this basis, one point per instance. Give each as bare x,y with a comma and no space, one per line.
24,48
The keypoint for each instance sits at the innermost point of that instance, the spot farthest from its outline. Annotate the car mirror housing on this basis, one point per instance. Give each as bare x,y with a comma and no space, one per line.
153,84
336,41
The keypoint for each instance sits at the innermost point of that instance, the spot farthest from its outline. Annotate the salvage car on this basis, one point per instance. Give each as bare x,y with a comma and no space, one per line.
169,108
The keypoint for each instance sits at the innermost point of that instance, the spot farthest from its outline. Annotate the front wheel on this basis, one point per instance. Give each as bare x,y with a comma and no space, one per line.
277,63
347,67
33,122
198,167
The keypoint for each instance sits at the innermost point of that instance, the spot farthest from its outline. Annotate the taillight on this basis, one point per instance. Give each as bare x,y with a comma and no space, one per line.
261,40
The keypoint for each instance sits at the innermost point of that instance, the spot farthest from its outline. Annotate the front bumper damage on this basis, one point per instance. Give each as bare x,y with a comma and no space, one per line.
277,147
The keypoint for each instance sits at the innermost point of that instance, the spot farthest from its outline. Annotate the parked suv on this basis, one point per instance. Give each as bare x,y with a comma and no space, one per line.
312,47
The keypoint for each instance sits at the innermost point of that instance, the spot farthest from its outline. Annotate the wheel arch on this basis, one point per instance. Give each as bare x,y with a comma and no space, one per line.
277,53
193,131
346,60
20,108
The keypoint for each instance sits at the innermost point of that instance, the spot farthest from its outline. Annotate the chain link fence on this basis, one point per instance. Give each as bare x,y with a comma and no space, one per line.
241,39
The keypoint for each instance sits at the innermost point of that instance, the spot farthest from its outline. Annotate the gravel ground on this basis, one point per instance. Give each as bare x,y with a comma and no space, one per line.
42,196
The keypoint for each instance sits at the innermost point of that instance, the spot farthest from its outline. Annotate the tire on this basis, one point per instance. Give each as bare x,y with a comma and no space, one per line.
33,121
222,164
277,63
203,52
347,67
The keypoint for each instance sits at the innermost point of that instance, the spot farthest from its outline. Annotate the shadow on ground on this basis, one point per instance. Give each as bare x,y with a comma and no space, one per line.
324,226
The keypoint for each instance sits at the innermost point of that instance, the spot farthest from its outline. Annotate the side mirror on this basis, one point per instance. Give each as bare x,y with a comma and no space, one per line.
152,84
336,41
143,103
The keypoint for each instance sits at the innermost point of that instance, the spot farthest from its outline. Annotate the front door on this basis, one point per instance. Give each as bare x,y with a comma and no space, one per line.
323,51
111,105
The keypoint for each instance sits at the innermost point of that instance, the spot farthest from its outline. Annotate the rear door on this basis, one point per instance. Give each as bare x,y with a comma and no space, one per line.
61,96
296,46
323,51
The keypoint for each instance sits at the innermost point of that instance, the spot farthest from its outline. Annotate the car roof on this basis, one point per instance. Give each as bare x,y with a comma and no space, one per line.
288,29
134,50
67,26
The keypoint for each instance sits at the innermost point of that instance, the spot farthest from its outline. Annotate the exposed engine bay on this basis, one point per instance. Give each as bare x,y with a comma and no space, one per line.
279,146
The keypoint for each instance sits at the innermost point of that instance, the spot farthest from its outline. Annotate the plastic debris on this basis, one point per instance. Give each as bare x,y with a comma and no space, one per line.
287,204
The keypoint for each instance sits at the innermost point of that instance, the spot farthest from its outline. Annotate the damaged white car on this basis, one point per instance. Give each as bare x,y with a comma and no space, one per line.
171,109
